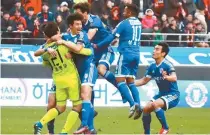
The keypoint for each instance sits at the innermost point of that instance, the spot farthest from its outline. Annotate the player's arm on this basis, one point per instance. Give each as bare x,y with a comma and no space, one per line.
171,77
148,76
75,48
170,74
91,33
106,41
41,51
142,81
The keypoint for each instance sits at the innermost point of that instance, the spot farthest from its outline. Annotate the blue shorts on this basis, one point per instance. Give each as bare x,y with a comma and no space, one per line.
53,88
90,75
171,100
107,58
127,65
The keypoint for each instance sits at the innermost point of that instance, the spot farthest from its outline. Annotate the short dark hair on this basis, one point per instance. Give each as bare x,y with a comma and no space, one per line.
134,9
74,17
30,9
83,6
165,47
50,29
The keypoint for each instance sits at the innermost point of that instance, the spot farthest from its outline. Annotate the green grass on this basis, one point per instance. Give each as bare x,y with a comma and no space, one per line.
20,120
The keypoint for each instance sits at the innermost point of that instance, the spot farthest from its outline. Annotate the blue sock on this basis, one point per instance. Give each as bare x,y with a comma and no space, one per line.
85,112
91,118
146,122
122,86
50,126
161,117
135,93
92,97
109,76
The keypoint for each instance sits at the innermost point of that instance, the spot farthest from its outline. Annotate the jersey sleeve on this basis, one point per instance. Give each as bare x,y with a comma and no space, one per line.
149,72
96,23
83,39
170,68
119,29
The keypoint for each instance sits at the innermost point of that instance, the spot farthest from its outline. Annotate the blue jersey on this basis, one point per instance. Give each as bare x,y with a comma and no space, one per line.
155,72
80,60
102,32
129,33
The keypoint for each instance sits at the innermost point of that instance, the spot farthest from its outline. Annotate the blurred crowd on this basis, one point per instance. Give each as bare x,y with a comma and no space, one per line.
157,16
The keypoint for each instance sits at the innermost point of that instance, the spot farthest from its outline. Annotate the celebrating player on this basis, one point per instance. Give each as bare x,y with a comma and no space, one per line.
65,77
97,32
86,68
129,34
164,74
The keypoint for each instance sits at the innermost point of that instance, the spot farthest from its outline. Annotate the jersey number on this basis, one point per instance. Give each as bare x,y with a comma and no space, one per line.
57,60
136,33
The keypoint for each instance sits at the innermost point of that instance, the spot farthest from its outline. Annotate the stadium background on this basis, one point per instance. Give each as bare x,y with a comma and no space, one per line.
24,83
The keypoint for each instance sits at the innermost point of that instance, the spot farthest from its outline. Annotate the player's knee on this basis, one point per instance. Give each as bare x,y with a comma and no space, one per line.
77,108
86,94
61,109
51,104
101,69
154,105
129,80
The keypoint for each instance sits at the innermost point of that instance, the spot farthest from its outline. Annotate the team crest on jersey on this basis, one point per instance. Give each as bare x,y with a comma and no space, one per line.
196,95
161,70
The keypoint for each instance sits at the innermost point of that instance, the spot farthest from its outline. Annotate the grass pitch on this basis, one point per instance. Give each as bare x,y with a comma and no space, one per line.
20,120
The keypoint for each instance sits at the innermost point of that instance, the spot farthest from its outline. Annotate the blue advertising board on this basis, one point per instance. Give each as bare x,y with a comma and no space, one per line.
178,56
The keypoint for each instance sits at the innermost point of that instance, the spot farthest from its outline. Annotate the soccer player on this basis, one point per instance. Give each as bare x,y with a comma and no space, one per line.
65,77
97,32
86,68
129,34
168,97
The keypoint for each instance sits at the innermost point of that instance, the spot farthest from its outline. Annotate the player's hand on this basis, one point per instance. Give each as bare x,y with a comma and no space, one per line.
59,42
52,52
68,55
95,46
164,74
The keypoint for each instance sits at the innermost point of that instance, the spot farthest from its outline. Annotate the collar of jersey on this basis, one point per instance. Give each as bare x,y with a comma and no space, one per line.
87,19
160,63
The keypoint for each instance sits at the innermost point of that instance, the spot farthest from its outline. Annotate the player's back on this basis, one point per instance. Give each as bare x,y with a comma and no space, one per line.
64,69
95,22
164,86
129,33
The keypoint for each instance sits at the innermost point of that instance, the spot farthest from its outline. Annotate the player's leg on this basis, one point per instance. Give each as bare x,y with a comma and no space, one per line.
103,69
61,98
136,97
121,73
165,102
146,119
74,95
51,104
88,82
147,114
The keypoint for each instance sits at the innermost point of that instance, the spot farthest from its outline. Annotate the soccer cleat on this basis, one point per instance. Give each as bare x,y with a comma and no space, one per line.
95,113
81,130
163,131
37,129
138,112
91,132
132,111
